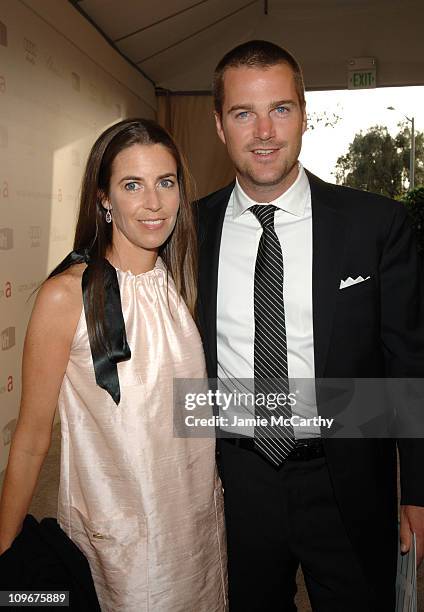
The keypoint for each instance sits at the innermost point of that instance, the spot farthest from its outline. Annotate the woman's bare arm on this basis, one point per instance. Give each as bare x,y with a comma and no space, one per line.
46,354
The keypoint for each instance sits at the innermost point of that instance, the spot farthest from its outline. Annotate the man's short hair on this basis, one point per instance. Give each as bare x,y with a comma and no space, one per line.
255,54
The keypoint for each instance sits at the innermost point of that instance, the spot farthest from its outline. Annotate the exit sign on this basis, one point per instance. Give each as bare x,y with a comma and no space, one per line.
362,73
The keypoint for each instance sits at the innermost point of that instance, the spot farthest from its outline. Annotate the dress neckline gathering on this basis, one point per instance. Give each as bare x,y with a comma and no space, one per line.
158,267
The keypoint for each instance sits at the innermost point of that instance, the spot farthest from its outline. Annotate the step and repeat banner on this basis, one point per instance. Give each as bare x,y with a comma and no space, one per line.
54,102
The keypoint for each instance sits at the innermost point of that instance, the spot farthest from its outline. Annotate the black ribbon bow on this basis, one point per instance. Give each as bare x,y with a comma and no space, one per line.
105,361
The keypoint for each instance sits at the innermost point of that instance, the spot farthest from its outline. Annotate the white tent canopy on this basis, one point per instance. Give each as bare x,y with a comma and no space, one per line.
177,43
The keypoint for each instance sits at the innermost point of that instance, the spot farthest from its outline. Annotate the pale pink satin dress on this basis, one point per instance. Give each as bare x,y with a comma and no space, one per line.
145,507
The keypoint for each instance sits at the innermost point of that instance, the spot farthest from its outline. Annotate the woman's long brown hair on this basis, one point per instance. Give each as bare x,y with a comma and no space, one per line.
94,235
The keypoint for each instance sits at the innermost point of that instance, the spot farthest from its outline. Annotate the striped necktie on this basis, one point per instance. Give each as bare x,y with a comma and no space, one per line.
274,441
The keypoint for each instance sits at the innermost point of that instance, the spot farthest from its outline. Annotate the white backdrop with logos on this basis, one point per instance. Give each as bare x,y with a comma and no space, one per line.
60,86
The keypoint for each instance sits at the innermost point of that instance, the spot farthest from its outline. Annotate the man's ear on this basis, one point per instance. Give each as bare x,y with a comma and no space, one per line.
219,128
304,120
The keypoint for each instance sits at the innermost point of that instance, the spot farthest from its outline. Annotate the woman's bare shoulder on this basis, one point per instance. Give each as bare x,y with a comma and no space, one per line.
60,296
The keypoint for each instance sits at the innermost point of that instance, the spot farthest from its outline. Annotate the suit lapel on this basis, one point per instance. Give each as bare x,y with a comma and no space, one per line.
211,214
329,233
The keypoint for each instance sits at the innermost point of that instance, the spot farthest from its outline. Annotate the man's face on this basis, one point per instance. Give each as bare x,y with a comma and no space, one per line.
262,124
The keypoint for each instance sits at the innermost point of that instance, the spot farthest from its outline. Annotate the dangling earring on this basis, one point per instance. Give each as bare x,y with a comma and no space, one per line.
108,216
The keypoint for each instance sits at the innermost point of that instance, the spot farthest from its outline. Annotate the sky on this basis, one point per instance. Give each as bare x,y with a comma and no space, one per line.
359,110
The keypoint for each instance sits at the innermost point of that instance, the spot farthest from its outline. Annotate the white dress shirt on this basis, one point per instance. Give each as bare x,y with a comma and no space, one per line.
235,303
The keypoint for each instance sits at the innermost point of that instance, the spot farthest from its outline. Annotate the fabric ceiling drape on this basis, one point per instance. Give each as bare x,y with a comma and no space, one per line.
189,118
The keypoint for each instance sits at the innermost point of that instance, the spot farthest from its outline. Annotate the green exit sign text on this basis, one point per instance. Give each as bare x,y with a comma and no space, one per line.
363,79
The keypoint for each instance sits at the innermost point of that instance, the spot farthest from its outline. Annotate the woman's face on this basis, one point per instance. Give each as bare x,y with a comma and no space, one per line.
143,196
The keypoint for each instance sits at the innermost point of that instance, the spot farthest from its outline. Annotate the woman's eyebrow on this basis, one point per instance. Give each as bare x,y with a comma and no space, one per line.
140,178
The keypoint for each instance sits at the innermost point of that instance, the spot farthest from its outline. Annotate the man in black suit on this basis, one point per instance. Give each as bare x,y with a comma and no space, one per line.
333,291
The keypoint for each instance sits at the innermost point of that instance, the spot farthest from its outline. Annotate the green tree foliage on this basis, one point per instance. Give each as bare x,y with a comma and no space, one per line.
378,162
403,143
414,202
324,119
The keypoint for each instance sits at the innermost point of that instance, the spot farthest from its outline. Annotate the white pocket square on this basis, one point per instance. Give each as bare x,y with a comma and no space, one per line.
352,281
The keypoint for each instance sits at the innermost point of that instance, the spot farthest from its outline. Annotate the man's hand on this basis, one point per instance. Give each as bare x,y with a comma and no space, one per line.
412,521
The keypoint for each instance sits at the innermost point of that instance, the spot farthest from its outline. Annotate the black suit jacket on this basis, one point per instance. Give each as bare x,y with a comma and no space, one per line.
43,558
372,330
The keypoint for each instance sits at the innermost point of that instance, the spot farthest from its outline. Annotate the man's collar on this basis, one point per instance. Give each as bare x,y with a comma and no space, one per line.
293,200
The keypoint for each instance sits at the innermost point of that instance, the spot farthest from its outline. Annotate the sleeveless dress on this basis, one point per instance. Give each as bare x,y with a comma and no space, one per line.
145,507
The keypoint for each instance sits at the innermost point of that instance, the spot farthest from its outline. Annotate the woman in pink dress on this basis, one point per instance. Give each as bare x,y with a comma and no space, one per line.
112,327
